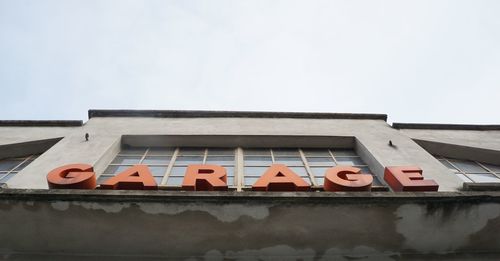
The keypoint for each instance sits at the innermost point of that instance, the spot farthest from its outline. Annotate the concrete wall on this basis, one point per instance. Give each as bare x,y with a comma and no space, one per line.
371,142
107,225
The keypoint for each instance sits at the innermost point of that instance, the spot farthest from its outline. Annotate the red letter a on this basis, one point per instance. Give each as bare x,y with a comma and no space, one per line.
135,177
280,178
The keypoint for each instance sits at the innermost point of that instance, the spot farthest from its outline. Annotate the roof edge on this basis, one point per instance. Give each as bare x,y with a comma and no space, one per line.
40,123
439,126
232,114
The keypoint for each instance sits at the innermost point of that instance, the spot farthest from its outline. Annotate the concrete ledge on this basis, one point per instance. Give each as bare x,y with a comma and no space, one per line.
433,126
41,123
481,186
248,196
232,114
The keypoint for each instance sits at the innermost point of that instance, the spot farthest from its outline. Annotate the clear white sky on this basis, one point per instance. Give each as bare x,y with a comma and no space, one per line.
417,61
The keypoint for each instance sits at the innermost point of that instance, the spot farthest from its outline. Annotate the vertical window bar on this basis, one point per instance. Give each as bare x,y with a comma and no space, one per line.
306,164
170,166
333,157
272,155
144,155
239,168
205,155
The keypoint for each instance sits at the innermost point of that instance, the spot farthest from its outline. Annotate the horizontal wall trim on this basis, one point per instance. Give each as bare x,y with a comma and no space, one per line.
232,114
439,126
247,196
40,123
434,126
247,141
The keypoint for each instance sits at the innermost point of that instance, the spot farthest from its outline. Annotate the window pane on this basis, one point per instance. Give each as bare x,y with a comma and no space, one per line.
158,171
316,152
344,153
483,178
174,181
257,152
192,151
178,171
229,171
221,152
258,160
351,161
133,151
9,164
116,169
319,171
468,166
126,160
220,160
188,160
448,165
320,181
103,178
23,165
323,161
494,168
254,171
161,151
301,171
230,182
289,161
6,177
307,179
249,181
286,152
153,160
464,178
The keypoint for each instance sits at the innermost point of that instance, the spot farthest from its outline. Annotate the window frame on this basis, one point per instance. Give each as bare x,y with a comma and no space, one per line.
239,164
15,170
459,171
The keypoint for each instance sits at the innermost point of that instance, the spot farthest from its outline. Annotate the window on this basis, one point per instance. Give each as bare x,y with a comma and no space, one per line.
11,166
472,171
168,164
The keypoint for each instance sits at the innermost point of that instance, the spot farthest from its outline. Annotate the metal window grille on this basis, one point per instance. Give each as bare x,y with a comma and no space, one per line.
243,165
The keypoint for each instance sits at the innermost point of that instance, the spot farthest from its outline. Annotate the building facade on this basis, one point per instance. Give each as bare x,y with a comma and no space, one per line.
459,217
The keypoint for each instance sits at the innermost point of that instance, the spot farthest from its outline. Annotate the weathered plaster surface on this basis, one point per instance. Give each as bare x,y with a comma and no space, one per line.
200,227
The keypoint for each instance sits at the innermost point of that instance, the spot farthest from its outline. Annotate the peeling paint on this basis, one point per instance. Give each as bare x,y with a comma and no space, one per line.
419,227
108,208
359,252
224,213
60,205
279,252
